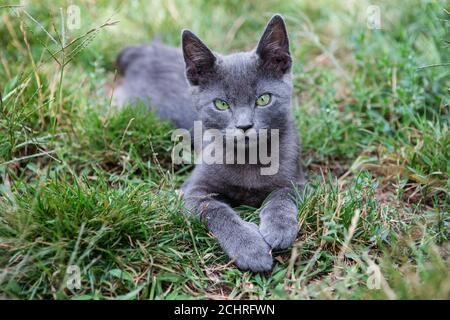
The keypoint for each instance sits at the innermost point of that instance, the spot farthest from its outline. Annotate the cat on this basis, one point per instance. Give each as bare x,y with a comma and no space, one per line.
226,92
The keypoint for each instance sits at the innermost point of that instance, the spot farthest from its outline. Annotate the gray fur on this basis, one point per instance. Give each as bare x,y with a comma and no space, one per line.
154,73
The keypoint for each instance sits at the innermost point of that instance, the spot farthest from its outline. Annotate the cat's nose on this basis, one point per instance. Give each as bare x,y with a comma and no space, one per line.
244,126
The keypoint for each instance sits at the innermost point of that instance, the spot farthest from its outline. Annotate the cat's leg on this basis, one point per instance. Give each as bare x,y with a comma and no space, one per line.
240,240
278,217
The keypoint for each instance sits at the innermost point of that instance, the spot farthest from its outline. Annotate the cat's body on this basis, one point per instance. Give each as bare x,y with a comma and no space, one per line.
155,73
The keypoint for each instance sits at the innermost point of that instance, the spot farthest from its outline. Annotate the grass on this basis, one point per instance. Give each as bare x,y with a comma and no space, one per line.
83,184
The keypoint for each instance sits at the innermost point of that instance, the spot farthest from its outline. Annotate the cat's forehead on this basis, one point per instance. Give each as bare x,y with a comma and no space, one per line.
237,63
238,78
238,71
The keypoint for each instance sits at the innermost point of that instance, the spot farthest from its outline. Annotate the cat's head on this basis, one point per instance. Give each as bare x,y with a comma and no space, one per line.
242,90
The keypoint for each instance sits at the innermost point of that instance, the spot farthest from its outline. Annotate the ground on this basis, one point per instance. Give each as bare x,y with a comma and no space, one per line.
85,186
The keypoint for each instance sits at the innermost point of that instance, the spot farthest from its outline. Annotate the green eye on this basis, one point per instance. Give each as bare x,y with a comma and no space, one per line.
263,100
221,105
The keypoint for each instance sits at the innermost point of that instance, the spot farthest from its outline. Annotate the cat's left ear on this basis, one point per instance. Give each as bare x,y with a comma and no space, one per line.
273,47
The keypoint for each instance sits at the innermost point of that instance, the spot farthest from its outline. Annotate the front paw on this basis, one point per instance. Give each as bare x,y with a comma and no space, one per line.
247,247
279,230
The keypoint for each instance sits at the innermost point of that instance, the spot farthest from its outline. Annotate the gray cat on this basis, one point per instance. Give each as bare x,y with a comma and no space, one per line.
228,92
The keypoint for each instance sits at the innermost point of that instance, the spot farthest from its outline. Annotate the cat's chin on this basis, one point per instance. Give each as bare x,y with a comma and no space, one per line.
245,142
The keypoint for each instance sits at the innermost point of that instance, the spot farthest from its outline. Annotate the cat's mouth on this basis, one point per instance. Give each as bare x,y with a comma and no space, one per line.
249,139
239,133
239,139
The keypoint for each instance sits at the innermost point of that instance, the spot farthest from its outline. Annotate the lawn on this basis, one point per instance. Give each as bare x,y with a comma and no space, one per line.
86,186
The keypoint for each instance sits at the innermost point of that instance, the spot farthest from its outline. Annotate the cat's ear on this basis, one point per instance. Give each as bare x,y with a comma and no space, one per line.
199,59
273,47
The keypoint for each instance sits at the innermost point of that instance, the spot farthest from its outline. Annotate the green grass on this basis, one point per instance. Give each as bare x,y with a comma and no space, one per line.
84,184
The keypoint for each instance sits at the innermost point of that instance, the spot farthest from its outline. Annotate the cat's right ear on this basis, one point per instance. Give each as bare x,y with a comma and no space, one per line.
273,48
199,59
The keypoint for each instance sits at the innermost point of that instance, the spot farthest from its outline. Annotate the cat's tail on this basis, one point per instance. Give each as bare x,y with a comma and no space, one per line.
125,57
131,53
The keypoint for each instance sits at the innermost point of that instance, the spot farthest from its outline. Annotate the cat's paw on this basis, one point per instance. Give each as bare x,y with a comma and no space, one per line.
248,249
279,231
